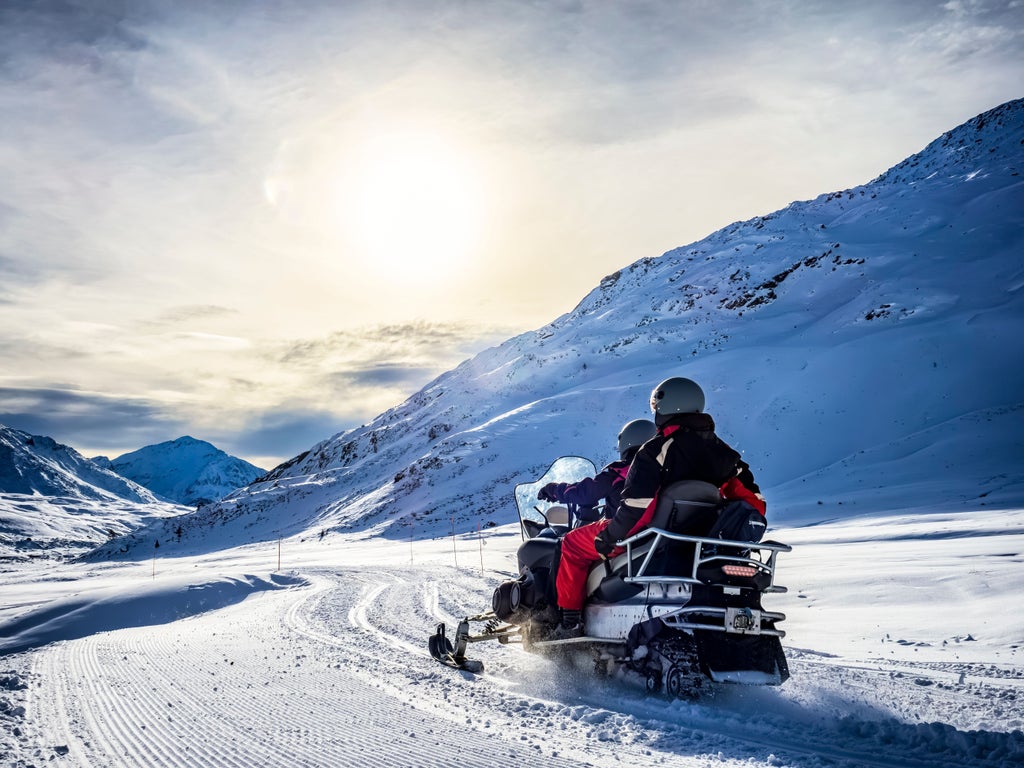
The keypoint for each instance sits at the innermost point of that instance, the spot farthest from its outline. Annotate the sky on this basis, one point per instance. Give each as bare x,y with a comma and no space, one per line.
260,224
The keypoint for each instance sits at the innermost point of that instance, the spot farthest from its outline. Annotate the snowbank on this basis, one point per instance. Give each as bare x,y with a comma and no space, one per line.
131,605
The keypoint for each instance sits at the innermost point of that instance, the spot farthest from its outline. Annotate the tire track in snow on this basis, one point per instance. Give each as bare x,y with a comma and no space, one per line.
920,695
380,613
127,698
186,696
138,729
337,674
883,744
132,714
941,672
100,710
297,678
353,616
240,687
51,712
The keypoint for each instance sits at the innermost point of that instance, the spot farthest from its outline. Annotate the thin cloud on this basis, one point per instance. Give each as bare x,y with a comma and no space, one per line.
189,312
414,341
314,388
89,421
279,434
394,375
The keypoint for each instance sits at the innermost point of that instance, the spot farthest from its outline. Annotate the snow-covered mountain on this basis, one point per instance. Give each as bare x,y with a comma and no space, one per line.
186,470
54,500
861,349
38,465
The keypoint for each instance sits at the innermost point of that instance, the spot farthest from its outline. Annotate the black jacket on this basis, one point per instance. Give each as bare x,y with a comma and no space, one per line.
606,484
685,448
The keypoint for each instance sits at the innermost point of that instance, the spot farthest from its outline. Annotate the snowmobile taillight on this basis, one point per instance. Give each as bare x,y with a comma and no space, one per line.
747,571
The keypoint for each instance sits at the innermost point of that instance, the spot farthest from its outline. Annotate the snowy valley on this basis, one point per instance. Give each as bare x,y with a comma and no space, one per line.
860,348
54,502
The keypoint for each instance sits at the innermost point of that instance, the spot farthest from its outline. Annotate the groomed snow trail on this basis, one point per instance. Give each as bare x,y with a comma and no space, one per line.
262,684
337,674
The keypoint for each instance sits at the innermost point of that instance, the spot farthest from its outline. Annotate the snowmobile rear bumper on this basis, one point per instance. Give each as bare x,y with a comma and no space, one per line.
733,621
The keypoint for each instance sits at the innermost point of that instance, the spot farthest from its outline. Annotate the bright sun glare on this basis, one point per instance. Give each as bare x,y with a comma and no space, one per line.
417,206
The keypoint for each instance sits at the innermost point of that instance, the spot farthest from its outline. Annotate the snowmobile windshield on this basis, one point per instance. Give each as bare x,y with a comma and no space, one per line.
567,469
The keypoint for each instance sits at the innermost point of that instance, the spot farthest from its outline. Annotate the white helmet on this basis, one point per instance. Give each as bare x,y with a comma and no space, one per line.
634,434
676,395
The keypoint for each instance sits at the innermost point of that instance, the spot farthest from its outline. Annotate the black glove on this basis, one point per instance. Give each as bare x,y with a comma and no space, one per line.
547,493
604,543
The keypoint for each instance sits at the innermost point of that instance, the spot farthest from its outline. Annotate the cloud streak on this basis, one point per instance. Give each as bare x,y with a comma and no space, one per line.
267,400
110,422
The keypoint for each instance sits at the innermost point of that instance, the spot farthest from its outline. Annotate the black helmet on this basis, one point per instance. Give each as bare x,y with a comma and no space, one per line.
676,395
634,434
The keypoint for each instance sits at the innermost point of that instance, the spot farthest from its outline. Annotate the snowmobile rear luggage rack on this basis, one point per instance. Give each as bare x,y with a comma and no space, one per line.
716,553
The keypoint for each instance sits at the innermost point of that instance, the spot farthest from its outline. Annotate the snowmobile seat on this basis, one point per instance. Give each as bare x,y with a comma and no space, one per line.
612,589
556,523
537,553
558,515
606,580
688,506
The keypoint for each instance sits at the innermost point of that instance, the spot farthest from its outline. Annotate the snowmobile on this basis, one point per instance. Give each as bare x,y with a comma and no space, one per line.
677,609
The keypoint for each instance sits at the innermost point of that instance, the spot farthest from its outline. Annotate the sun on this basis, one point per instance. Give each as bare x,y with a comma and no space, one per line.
416,205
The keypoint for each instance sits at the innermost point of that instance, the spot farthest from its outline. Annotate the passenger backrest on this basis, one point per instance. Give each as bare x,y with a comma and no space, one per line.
686,506
557,515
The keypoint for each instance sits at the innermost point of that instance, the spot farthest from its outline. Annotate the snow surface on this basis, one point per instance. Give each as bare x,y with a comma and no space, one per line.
904,640
859,348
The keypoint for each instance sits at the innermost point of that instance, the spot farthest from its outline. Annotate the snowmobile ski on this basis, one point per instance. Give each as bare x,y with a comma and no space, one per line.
454,656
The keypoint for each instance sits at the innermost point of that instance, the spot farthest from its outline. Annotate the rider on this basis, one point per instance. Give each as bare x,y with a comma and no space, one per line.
606,484
685,448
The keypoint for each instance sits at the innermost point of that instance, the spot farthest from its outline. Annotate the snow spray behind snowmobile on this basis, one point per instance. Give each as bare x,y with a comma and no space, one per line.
677,609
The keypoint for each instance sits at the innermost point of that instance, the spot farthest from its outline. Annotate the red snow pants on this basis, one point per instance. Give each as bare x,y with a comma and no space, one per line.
578,554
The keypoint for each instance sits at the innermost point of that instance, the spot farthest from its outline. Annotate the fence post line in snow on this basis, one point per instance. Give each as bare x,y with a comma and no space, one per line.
455,551
480,538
